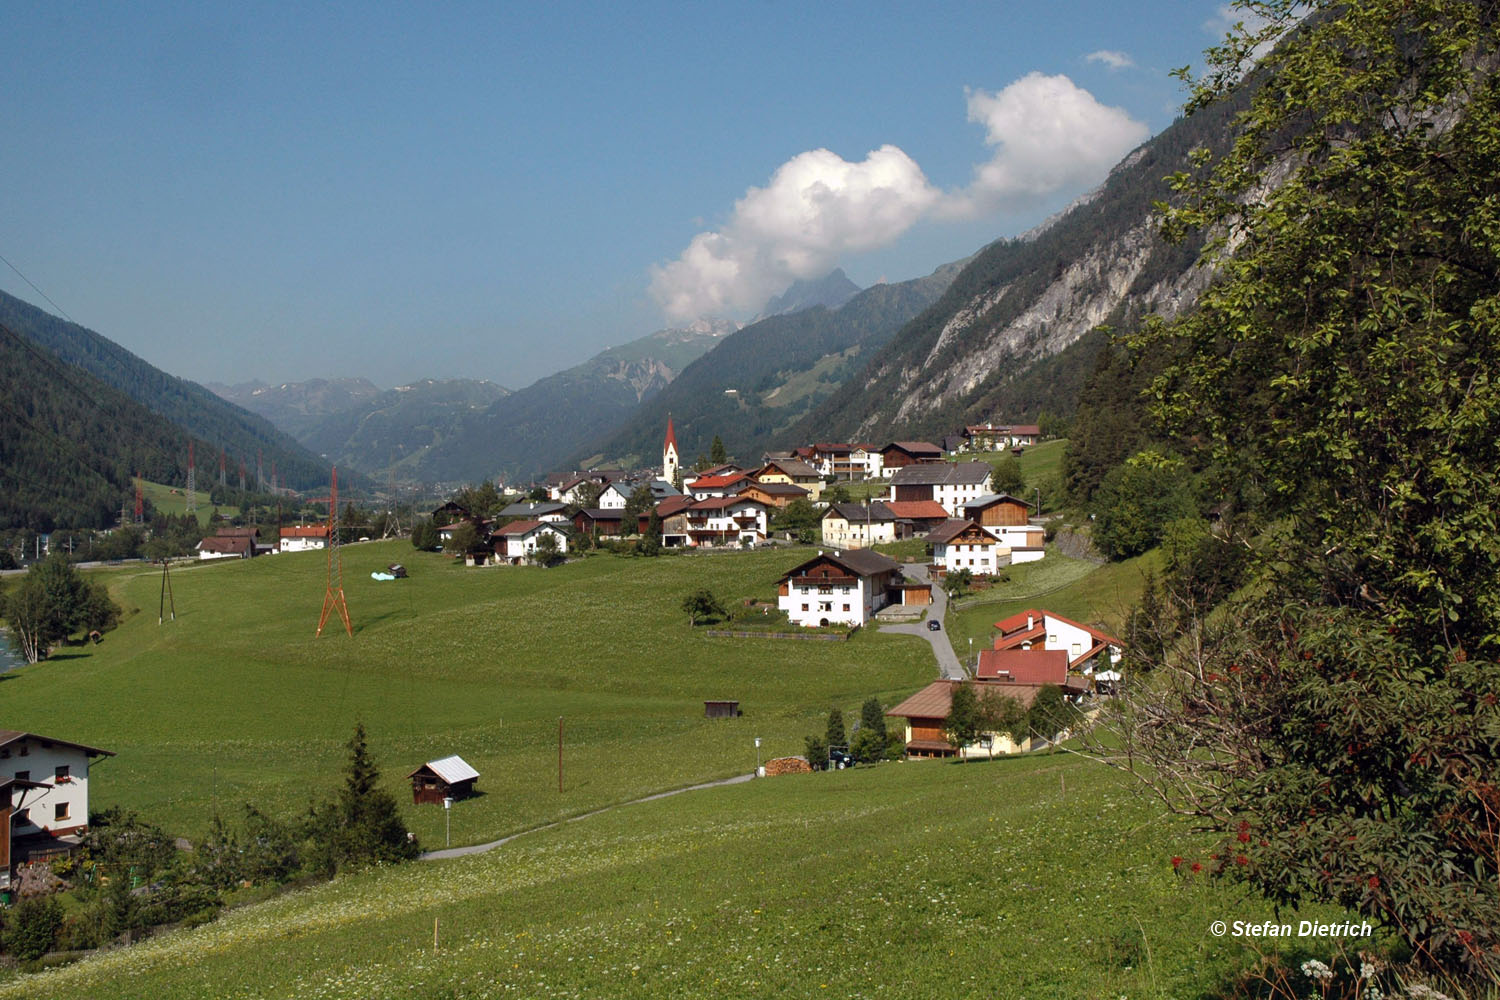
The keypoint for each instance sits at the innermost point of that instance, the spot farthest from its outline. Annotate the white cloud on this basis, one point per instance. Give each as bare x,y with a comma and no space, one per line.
1048,134
817,208
1111,58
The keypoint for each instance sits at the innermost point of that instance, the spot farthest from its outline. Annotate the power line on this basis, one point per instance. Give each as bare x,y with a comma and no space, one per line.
43,294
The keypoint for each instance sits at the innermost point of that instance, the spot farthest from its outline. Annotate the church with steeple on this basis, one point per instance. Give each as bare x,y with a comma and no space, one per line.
671,464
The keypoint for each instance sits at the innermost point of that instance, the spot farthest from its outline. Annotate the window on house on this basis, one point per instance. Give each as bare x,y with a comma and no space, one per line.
1052,638
60,811
846,607
61,774
23,775
804,607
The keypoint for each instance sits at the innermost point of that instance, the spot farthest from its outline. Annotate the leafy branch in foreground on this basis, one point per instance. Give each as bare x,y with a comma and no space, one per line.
1337,722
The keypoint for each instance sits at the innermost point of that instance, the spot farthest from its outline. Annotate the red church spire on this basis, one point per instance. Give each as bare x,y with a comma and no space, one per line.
671,441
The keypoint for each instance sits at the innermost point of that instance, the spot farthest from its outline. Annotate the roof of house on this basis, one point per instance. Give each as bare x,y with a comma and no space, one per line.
793,467
305,531
9,736
522,528
602,513
832,448
451,769
917,510
661,489
670,506
716,482
942,474
1023,666
533,510
1018,621
935,700
990,499
1022,430
876,511
722,470
914,447
860,562
779,489
227,544
714,503
953,527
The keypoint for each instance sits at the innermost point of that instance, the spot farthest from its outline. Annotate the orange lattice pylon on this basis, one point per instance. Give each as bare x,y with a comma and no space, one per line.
333,597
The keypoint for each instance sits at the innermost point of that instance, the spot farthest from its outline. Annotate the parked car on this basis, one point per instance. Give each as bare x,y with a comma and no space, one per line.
840,759
933,625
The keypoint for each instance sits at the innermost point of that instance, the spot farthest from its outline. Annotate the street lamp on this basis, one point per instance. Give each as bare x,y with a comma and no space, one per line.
757,756
447,821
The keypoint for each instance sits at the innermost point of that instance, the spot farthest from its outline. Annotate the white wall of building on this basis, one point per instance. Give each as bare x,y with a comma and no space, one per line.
40,763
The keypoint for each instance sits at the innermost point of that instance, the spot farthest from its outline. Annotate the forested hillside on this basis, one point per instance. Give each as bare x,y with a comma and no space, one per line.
188,405
69,444
756,384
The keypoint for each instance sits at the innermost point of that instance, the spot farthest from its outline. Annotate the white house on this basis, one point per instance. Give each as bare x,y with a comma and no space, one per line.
858,526
304,537
616,495
951,485
959,544
726,520
868,461
44,793
838,588
1039,629
516,542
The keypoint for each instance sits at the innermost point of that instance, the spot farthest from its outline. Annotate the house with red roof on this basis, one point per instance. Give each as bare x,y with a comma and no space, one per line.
305,537
1088,649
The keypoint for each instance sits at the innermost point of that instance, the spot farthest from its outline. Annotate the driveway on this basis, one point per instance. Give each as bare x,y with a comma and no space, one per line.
942,649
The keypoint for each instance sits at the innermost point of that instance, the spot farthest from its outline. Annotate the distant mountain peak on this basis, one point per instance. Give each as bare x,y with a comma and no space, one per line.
830,291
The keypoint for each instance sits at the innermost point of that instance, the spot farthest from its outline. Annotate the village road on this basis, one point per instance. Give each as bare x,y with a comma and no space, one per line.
459,852
947,661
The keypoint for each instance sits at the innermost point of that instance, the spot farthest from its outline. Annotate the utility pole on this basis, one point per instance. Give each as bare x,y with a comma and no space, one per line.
559,755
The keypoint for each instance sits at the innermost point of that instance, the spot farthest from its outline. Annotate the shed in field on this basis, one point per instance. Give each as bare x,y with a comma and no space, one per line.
449,778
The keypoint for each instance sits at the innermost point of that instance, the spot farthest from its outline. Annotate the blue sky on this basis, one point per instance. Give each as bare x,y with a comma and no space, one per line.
497,191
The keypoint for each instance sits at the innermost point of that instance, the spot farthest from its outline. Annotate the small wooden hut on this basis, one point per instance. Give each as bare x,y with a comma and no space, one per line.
436,780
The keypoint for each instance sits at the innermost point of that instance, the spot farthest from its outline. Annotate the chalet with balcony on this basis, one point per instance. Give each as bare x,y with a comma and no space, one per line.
838,588
958,544
951,485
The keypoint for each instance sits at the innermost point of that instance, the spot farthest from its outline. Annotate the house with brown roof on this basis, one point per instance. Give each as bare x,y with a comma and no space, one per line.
958,544
726,520
516,542
794,471
900,454
998,437
925,716
44,797
860,525
228,543
838,588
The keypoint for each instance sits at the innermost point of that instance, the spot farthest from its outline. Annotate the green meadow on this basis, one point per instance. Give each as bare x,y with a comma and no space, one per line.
173,500
237,701
1030,877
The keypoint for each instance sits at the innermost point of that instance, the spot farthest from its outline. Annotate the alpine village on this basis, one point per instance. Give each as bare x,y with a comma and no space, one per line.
1112,612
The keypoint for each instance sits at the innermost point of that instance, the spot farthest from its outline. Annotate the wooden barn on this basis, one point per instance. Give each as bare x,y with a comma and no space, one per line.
436,780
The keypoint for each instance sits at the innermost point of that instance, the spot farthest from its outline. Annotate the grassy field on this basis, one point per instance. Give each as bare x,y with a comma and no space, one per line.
166,501
237,701
1028,877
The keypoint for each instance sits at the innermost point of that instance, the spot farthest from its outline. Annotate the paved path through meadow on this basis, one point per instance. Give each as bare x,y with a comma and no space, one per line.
459,852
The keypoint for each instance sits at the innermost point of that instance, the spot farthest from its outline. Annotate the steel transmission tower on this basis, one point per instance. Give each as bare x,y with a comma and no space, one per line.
333,597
